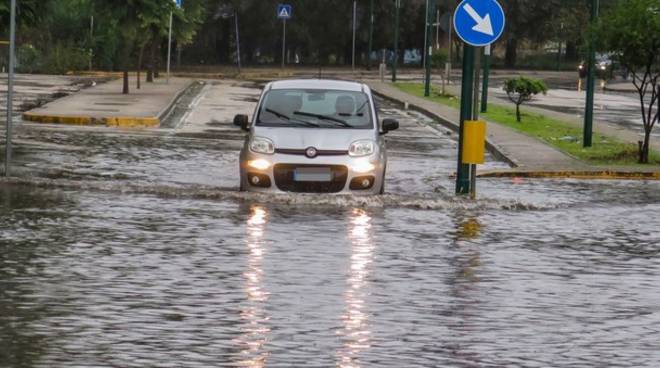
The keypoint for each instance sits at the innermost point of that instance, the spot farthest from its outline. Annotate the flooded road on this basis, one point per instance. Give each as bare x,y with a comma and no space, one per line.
134,250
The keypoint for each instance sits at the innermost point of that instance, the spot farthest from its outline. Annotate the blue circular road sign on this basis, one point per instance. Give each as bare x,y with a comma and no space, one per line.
479,22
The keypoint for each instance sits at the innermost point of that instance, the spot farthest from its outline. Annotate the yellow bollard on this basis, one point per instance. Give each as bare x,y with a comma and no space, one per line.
474,142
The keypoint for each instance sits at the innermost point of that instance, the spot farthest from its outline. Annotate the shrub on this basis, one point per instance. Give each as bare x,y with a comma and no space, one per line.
27,59
439,58
522,89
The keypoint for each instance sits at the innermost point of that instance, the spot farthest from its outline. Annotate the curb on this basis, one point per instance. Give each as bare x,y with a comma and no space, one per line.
599,175
128,122
494,149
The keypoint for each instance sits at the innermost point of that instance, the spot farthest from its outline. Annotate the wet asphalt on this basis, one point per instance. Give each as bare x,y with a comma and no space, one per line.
134,249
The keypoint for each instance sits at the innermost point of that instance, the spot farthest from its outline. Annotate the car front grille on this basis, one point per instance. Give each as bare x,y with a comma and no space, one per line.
284,179
301,152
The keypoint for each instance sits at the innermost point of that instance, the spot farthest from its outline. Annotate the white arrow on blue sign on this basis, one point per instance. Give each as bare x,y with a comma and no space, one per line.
284,11
479,22
178,3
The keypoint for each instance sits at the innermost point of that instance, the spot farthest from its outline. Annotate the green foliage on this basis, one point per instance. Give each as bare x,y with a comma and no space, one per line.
439,58
28,59
557,133
523,89
59,59
631,31
65,57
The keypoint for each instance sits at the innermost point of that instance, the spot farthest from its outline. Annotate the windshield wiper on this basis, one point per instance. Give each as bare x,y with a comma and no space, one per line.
278,114
324,117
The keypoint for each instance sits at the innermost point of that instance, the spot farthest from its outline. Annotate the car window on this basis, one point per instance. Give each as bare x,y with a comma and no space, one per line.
315,109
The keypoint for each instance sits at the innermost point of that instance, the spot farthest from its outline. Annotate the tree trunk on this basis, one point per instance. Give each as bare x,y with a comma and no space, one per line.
152,62
518,118
126,89
156,71
644,148
139,66
511,55
571,51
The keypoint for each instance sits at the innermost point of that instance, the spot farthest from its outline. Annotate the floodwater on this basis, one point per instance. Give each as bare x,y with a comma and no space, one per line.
136,250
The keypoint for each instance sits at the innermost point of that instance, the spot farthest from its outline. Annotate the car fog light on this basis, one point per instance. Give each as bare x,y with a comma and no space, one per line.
259,164
366,183
363,166
255,180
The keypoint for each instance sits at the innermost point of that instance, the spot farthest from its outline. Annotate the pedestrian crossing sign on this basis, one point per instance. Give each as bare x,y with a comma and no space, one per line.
284,11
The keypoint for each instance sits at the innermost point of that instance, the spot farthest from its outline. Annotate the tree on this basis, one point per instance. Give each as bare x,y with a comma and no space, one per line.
523,89
631,31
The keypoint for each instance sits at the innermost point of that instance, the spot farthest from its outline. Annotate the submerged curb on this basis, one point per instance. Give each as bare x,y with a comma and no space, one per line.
603,175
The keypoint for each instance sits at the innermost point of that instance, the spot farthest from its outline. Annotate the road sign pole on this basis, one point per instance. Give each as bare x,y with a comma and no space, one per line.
371,33
479,23
429,49
169,48
591,80
484,89
463,170
397,4
283,42
10,87
354,31
475,116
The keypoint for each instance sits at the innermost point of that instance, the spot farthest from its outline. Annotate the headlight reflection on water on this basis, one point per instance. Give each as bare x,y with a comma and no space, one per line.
255,328
356,332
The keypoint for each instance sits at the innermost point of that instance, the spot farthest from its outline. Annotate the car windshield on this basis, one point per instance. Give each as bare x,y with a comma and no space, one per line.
315,109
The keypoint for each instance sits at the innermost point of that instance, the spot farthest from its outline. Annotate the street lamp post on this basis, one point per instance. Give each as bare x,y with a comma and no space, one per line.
397,5
430,11
238,42
169,48
354,31
591,80
426,33
10,86
371,33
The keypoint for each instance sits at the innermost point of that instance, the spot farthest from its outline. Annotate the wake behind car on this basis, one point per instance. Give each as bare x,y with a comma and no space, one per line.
314,136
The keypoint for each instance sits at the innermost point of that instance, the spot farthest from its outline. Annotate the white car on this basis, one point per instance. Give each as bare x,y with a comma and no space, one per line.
314,136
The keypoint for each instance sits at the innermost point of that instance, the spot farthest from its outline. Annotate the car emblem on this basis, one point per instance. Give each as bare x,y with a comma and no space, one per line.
311,152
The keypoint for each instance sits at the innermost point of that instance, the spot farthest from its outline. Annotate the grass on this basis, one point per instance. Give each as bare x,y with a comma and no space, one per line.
557,133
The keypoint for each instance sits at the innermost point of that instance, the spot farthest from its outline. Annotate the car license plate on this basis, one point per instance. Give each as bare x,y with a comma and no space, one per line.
312,174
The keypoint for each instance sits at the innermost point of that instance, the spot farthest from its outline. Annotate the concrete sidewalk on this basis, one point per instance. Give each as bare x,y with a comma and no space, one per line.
568,106
104,104
521,150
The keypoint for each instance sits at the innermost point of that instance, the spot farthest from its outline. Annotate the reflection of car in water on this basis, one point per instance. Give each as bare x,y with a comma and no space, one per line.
314,136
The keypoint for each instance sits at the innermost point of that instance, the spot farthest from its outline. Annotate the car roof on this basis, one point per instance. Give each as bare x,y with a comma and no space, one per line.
318,84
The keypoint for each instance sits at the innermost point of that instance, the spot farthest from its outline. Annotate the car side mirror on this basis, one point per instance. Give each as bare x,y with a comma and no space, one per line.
242,121
390,125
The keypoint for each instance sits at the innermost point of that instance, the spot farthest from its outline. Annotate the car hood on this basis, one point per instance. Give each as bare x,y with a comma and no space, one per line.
321,139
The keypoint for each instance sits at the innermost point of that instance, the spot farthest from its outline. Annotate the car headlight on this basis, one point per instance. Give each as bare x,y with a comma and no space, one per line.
361,148
262,145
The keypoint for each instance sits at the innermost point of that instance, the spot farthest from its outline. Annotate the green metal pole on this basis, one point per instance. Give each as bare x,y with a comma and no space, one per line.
463,170
428,47
484,88
591,81
397,5
371,33
10,86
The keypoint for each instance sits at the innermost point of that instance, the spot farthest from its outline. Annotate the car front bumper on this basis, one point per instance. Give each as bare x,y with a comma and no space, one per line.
349,174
